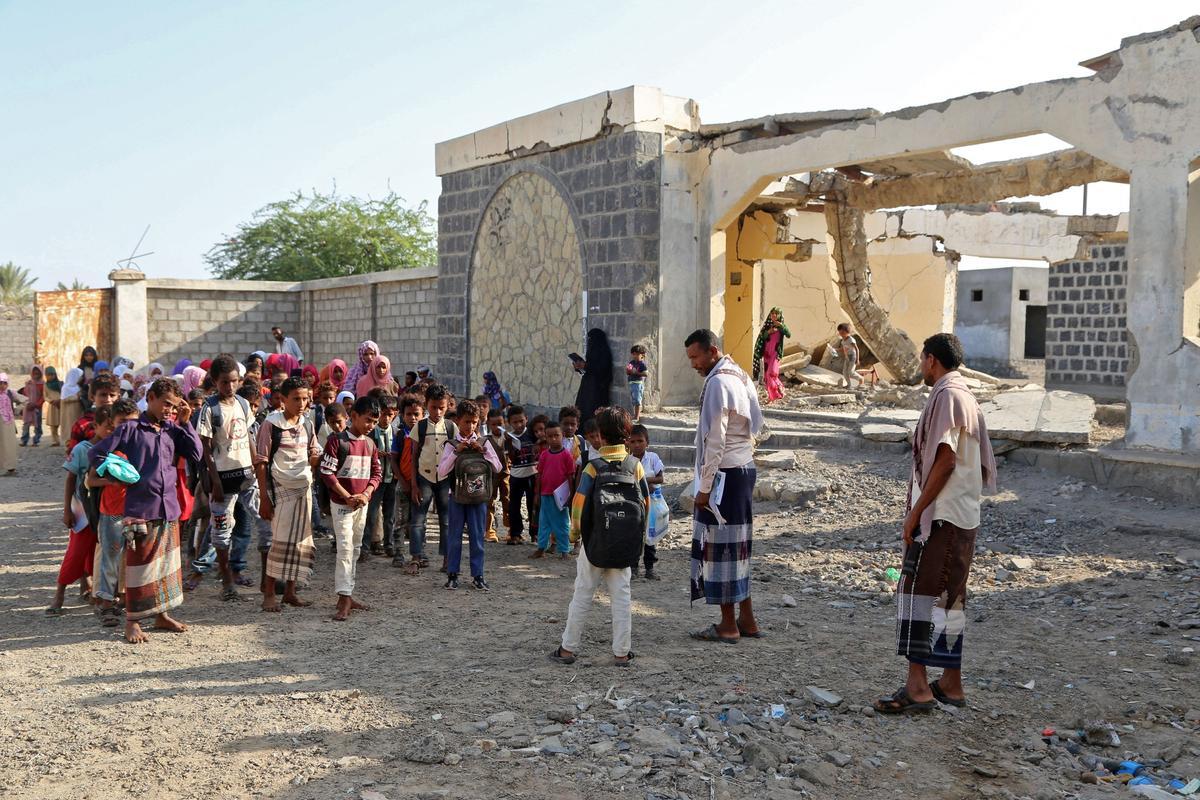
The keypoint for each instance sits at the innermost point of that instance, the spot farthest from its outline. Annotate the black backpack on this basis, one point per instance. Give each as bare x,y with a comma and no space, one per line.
473,478
614,516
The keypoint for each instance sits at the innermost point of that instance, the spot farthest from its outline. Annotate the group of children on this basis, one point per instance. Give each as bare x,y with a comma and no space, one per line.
227,459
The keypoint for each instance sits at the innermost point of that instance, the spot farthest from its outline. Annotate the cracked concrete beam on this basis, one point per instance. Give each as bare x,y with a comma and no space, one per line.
1038,175
891,346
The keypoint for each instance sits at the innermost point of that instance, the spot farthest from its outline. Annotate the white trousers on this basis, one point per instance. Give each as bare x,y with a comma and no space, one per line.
348,526
587,579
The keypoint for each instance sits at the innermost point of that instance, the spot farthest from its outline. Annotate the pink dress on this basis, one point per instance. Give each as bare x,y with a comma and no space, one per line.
771,365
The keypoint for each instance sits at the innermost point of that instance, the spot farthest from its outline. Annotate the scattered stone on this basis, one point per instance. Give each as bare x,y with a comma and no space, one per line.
837,399
777,459
1188,624
824,697
564,715
1002,574
986,772
788,601
502,718
764,755
877,432
818,773
839,759
453,759
1018,563
656,741
428,749
735,716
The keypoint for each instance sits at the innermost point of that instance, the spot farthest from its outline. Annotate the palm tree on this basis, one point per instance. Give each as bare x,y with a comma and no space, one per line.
16,287
76,285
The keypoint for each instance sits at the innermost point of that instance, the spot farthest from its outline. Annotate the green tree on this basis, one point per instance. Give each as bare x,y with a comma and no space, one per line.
326,236
76,285
16,287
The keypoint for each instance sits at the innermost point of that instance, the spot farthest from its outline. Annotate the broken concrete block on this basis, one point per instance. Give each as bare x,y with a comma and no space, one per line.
877,432
837,399
905,417
818,375
1035,415
781,459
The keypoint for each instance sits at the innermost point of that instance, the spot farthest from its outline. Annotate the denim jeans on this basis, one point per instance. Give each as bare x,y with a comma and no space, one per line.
231,528
111,545
474,517
439,494
37,429
381,509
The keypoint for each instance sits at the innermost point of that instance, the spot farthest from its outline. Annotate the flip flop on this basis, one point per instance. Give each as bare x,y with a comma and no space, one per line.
901,703
711,634
191,582
55,612
242,580
943,698
560,658
230,594
756,635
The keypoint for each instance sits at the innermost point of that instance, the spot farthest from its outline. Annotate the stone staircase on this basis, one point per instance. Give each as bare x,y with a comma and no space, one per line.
672,434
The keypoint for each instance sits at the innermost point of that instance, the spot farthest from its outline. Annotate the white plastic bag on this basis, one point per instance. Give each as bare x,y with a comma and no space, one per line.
660,518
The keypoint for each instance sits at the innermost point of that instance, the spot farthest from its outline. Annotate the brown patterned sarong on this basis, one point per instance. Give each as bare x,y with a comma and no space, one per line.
153,579
291,555
931,596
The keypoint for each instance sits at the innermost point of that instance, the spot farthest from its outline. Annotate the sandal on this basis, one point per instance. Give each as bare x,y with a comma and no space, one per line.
756,635
902,703
945,699
558,656
192,581
242,580
413,568
110,617
711,634
55,612
230,594
628,660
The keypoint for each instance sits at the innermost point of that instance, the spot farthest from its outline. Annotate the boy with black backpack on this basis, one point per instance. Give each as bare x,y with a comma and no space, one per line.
472,464
610,510
286,453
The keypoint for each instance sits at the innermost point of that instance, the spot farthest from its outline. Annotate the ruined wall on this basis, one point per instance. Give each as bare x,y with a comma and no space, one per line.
1086,336
610,188
16,340
198,323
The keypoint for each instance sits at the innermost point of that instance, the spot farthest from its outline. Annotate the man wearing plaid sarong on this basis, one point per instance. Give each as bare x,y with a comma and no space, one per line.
722,534
952,462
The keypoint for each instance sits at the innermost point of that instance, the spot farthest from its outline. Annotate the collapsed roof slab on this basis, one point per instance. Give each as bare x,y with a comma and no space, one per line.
1028,237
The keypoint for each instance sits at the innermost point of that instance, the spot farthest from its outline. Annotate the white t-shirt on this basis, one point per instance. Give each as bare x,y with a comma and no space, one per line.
958,502
290,469
652,465
231,444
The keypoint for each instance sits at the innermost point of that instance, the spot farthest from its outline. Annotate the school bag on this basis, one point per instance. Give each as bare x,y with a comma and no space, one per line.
419,442
231,480
473,478
614,515
277,439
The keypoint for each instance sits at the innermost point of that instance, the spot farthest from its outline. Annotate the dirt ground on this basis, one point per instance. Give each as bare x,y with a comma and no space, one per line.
1092,637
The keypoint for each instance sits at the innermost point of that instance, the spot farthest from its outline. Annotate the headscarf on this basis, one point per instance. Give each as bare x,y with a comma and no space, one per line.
760,344
361,367
310,370
6,402
128,362
344,396
595,390
99,367
206,364
369,381
493,390
151,367
192,378
181,365
270,365
35,388
119,370
70,386
327,373
241,369
288,364
53,384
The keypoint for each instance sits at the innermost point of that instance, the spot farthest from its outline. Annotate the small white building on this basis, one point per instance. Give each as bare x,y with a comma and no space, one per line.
1001,319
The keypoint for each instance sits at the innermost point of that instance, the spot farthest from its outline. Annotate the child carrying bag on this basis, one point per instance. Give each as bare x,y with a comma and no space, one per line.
614,516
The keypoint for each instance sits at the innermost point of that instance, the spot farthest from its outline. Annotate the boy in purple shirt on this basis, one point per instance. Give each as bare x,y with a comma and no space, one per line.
152,445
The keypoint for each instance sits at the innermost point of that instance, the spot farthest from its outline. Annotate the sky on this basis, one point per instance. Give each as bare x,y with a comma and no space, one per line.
188,117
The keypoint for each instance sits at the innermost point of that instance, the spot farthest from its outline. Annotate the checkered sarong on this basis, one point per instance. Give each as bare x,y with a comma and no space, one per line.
931,597
291,555
721,553
153,577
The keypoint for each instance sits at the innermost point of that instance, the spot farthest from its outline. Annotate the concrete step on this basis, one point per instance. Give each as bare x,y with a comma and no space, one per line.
810,435
684,455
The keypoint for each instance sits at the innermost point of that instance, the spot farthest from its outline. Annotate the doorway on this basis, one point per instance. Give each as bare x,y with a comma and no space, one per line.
1035,331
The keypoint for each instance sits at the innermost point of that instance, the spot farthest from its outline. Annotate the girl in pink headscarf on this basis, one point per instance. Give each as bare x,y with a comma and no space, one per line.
367,351
379,376
192,378
9,404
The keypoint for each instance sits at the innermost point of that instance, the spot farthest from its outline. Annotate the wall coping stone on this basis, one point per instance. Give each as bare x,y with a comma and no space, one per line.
348,281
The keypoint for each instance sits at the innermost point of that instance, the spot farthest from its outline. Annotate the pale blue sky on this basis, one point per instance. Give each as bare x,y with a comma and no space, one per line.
189,116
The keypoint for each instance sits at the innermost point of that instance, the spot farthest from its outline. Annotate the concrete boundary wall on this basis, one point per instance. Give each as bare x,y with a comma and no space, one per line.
16,342
165,319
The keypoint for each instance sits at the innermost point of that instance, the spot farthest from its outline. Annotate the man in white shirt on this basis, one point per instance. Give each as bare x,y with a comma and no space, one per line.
286,345
722,532
952,461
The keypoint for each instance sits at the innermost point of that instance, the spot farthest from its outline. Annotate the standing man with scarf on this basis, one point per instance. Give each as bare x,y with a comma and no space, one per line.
730,418
952,462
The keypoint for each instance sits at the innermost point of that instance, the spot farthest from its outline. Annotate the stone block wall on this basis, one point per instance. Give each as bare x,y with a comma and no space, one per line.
198,323
17,336
611,187
400,315
1085,319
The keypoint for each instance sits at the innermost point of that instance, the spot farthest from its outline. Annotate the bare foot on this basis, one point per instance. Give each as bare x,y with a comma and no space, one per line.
269,603
165,623
134,633
295,600
359,606
344,604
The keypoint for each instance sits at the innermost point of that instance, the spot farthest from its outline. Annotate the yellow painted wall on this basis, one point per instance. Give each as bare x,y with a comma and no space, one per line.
742,283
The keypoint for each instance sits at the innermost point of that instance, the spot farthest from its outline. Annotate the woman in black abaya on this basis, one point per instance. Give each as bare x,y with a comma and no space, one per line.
595,390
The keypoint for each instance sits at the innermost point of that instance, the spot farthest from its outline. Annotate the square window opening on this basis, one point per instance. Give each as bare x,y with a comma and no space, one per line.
1023,295
977,295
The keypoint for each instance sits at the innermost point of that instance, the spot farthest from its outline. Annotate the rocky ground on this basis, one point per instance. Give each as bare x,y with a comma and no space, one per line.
1084,618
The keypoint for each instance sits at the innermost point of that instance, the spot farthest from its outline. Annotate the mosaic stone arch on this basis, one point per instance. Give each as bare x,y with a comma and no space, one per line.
526,293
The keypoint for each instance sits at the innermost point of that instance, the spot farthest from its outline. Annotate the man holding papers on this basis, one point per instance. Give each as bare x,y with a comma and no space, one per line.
730,417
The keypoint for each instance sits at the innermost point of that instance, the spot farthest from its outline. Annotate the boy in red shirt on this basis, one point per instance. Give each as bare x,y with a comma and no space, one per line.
351,472
102,391
556,470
